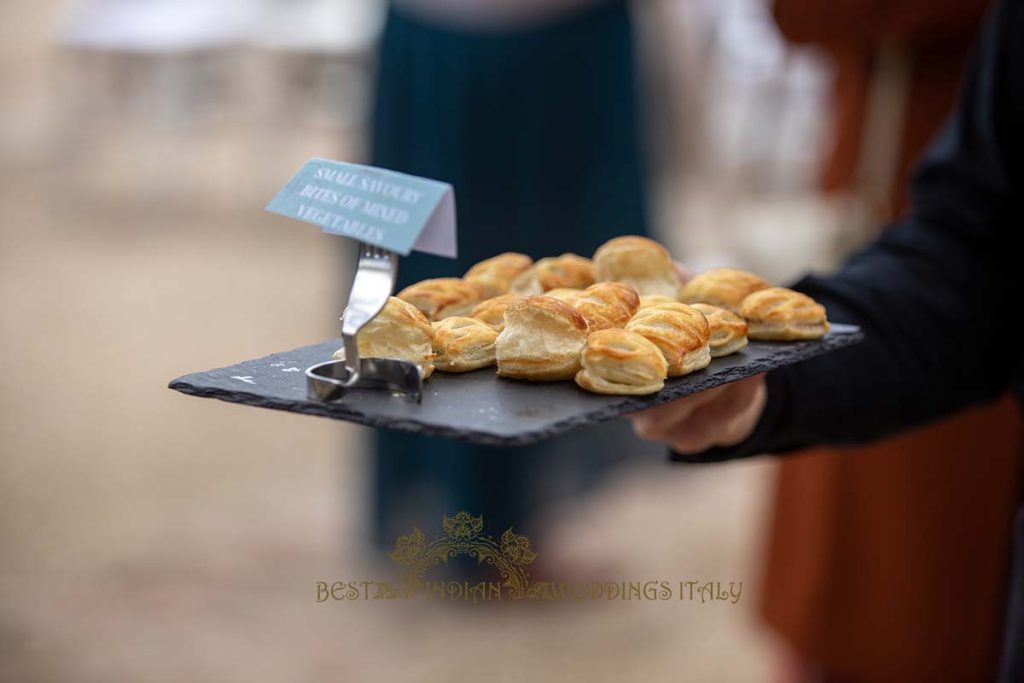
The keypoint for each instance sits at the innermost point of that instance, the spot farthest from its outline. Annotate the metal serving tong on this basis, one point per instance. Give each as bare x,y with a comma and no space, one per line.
373,284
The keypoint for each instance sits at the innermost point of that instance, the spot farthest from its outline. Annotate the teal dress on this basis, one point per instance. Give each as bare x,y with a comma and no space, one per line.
538,131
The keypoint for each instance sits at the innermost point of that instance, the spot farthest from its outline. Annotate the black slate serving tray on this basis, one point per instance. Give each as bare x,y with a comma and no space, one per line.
480,407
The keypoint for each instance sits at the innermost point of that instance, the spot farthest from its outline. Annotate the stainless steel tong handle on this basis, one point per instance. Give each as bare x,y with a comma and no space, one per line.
373,284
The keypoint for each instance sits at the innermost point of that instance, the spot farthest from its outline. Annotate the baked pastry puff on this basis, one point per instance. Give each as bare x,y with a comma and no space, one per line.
655,299
681,332
492,311
399,331
620,362
722,287
494,275
606,304
463,344
441,297
541,341
780,314
728,330
564,294
637,261
567,270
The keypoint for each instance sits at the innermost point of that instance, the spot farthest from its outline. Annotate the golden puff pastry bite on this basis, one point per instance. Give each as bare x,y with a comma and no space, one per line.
492,311
656,299
620,362
568,270
441,297
728,330
780,314
606,304
681,332
564,294
399,331
463,344
541,341
494,275
686,311
637,261
722,287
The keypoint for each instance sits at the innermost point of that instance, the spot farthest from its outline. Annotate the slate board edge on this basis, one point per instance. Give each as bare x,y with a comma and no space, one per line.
337,411
627,405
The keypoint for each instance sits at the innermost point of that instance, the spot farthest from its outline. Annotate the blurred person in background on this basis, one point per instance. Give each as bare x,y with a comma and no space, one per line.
529,109
868,542
935,294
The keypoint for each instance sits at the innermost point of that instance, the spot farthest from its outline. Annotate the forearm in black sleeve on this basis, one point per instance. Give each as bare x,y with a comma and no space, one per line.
935,294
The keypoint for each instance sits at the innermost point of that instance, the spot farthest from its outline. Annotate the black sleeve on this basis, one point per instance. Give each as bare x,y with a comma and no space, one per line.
938,295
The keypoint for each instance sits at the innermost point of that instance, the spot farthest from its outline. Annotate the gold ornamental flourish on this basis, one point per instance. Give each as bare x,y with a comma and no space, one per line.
510,555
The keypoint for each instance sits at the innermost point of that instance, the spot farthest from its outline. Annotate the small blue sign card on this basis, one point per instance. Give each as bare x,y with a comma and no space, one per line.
399,212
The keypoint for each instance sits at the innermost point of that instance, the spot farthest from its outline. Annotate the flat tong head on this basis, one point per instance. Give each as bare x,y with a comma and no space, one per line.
330,381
